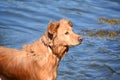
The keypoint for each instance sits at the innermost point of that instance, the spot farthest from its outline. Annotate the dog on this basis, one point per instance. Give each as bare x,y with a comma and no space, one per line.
39,60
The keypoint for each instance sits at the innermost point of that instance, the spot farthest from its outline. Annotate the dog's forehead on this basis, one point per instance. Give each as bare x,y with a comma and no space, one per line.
65,25
66,22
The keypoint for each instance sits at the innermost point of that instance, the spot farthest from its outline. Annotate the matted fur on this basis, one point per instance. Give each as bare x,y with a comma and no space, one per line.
39,60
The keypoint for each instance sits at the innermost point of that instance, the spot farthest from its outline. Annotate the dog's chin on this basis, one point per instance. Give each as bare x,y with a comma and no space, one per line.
72,45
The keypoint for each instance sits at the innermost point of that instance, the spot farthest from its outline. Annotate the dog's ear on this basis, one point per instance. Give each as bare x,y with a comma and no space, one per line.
52,29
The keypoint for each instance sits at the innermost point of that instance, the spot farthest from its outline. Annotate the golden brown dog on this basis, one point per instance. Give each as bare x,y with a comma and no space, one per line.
39,61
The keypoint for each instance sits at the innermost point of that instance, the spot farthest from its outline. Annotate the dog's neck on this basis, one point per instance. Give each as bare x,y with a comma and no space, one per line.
58,50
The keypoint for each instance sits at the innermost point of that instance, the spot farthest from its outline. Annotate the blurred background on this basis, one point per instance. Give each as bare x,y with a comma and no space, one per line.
98,21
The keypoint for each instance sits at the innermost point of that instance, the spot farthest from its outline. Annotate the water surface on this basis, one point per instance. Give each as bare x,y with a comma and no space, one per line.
97,58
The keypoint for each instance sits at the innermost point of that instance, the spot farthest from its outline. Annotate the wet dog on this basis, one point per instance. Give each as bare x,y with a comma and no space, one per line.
39,60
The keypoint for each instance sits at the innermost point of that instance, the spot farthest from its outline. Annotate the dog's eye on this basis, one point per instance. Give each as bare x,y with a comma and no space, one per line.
66,33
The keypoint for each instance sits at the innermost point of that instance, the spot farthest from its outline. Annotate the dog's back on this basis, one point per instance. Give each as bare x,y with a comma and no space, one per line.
17,65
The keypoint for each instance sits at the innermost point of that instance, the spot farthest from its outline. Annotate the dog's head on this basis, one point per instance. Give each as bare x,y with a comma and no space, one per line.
61,33
60,36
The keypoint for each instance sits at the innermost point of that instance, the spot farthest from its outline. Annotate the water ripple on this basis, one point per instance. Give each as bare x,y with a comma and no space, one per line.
97,58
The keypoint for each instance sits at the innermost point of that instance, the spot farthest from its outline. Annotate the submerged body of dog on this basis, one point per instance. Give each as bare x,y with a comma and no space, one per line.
39,61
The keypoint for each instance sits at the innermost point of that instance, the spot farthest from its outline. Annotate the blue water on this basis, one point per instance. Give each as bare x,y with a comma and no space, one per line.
24,21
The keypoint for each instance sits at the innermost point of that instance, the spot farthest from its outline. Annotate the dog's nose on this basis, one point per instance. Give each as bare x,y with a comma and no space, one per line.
80,39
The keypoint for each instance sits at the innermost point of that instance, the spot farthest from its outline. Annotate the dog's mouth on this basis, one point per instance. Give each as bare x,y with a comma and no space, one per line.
76,44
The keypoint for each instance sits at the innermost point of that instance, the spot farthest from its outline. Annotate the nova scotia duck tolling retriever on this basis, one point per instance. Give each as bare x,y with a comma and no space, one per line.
39,60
